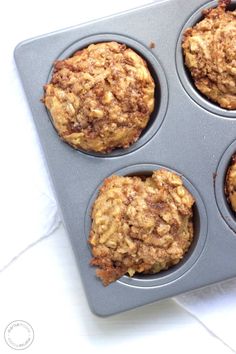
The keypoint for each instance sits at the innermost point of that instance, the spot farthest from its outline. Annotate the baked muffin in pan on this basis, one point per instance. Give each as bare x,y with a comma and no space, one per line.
140,225
101,98
230,183
209,50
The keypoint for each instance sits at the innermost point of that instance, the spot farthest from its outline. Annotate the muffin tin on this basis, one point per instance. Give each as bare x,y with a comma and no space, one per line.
186,134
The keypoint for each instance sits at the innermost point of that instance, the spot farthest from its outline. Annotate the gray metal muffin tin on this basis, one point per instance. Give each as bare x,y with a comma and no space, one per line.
186,134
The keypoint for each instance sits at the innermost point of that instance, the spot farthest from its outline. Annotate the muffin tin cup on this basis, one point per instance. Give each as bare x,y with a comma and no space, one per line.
157,72
184,74
223,205
181,136
200,231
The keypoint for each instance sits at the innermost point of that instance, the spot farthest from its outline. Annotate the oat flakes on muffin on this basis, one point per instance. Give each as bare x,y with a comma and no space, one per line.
209,49
140,225
230,183
101,98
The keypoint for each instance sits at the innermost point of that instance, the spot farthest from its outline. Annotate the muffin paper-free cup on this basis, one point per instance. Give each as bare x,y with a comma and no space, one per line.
161,87
199,224
184,74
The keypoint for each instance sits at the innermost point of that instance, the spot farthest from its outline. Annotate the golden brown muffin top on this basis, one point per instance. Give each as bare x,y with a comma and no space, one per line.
210,54
101,98
140,225
230,183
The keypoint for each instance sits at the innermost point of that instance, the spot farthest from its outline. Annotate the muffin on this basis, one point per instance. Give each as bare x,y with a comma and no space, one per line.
230,183
101,98
210,54
140,225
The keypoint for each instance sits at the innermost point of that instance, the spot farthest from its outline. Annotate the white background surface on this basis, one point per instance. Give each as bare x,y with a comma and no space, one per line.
42,286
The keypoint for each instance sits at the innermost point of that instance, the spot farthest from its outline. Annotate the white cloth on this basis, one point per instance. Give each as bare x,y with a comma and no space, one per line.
215,307
29,211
